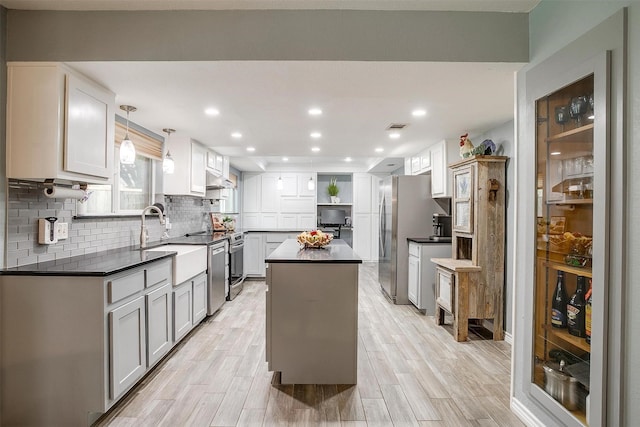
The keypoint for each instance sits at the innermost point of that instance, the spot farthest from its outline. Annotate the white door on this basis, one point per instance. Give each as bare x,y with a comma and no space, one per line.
127,361
414,280
182,310
159,315
251,184
198,169
362,243
199,298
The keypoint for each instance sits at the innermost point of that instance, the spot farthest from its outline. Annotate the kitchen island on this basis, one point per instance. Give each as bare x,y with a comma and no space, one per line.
312,313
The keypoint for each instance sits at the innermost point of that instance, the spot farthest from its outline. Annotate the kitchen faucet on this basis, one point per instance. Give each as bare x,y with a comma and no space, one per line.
144,236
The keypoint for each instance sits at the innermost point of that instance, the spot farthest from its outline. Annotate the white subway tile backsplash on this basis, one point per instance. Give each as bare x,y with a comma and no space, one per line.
26,204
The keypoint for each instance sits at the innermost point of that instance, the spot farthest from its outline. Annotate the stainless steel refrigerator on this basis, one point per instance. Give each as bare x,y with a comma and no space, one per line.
406,210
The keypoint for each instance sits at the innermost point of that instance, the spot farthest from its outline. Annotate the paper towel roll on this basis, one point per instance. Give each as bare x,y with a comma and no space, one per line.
63,193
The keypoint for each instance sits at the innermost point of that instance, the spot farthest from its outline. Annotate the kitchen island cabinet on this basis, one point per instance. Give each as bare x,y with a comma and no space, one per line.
312,313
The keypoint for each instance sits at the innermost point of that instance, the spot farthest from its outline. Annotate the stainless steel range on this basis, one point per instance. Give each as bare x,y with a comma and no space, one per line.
236,269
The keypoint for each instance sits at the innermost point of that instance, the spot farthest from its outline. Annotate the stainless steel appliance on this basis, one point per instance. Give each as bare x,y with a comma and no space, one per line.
216,278
441,227
236,269
405,209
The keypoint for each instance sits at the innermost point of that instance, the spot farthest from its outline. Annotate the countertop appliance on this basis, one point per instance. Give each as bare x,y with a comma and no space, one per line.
236,268
217,266
332,220
405,209
441,227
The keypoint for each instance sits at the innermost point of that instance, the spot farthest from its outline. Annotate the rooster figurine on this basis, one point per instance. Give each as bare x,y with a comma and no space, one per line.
466,147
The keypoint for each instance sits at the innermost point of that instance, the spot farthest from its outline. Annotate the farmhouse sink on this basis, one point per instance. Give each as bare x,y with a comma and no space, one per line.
189,260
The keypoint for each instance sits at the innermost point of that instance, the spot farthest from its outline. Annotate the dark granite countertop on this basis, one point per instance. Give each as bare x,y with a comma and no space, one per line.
335,252
429,240
102,263
194,239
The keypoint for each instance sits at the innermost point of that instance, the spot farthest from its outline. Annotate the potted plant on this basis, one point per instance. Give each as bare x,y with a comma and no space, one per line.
333,190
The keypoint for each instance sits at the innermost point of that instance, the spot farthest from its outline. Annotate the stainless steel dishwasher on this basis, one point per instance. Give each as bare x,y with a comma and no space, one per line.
216,277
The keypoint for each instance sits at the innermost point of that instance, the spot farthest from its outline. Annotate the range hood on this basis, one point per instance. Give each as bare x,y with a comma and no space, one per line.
217,182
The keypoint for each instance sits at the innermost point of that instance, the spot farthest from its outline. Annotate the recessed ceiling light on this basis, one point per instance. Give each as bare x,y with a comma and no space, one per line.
315,135
379,150
419,113
348,159
555,153
236,135
251,149
394,135
315,112
315,149
285,159
211,111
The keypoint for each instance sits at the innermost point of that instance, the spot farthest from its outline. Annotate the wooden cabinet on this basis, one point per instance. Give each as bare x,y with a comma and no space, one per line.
182,310
60,125
478,242
127,338
159,323
189,177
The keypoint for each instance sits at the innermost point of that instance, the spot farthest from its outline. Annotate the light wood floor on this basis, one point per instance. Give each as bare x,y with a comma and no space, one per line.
410,372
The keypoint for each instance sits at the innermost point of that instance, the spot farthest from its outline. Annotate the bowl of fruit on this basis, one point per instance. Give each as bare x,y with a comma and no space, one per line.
314,239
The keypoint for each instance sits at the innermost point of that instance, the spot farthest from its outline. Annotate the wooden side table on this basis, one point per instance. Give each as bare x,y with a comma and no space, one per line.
457,292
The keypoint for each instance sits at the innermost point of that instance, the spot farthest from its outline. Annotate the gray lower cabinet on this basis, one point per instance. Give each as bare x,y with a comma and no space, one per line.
73,345
182,310
127,339
159,323
189,305
199,298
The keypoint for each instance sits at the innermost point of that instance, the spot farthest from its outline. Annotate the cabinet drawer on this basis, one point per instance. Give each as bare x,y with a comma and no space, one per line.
158,273
414,249
124,286
445,282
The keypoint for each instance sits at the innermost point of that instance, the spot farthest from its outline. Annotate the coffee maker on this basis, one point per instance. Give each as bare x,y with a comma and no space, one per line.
441,227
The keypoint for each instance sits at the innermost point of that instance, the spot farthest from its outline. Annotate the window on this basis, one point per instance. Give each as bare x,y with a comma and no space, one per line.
133,190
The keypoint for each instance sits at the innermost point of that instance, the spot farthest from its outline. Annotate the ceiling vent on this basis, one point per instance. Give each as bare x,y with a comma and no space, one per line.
397,126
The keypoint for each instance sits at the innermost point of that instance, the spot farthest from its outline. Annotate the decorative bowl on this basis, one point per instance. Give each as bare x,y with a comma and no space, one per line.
314,239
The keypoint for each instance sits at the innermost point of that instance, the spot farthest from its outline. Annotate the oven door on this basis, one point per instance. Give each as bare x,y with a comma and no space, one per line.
236,269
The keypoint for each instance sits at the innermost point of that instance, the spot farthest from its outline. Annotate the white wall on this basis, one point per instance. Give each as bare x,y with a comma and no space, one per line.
504,136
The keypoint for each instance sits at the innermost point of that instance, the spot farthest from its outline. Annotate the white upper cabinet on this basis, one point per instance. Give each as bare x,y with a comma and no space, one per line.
189,177
60,125
251,188
217,164
442,153
270,195
303,184
362,193
289,184
198,173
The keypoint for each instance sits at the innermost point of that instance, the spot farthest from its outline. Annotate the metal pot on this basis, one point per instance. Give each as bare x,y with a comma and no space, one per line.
560,385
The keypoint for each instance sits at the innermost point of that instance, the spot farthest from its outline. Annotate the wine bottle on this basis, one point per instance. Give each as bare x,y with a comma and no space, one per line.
559,304
587,314
575,310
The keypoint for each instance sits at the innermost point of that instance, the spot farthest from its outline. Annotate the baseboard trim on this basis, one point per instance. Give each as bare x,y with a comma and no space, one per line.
524,414
508,338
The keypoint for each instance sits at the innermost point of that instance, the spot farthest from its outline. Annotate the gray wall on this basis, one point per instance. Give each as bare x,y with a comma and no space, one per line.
337,35
553,25
504,136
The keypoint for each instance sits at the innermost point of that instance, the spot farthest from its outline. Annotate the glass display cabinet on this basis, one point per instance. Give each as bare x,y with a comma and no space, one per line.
567,294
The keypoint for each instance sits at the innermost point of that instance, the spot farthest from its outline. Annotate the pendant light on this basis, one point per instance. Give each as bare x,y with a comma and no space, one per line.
127,149
311,185
168,165
280,184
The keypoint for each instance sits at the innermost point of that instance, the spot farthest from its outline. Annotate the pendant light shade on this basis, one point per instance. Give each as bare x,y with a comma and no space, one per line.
311,185
168,165
280,185
127,149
